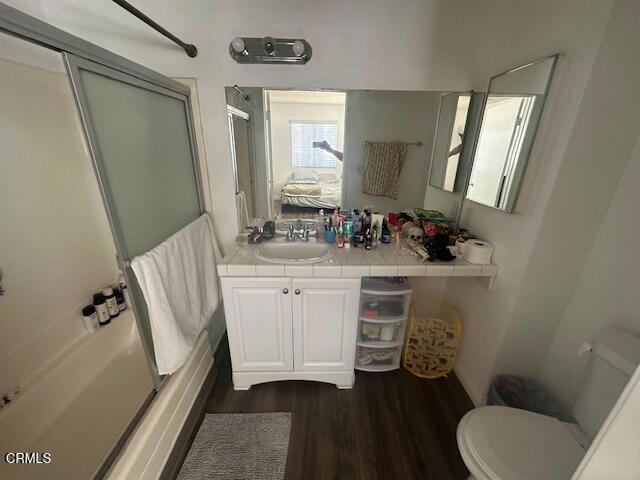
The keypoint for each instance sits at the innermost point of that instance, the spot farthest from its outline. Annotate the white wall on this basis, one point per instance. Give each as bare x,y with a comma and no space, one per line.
606,293
57,248
488,314
390,116
282,114
600,146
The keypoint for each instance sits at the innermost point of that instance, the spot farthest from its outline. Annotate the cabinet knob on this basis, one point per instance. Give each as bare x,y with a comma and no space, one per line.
297,292
285,290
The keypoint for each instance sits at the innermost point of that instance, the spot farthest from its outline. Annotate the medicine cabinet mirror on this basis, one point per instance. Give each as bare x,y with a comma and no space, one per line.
510,119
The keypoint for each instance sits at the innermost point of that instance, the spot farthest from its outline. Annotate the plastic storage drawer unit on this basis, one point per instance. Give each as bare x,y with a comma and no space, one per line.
384,309
377,359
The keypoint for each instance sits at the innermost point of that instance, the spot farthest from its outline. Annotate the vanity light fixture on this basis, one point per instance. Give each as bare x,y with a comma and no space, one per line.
270,50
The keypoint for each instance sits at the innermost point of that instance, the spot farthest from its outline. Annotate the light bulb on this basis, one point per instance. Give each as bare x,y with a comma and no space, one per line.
269,45
237,44
298,48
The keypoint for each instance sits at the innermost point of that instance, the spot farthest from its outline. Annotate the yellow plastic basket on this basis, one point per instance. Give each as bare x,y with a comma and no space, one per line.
432,339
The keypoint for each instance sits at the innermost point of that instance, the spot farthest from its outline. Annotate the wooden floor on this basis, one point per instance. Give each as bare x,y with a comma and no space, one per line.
390,426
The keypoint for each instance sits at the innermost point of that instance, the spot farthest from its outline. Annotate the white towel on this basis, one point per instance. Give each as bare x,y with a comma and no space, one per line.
242,211
180,285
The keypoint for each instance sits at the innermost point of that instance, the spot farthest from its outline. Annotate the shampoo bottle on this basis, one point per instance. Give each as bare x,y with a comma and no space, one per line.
100,305
110,300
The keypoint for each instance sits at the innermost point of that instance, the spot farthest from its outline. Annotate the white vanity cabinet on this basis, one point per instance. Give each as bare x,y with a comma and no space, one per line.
291,329
258,312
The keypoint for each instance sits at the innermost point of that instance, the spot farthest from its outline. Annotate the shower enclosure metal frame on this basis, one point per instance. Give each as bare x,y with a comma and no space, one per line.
74,65
81,53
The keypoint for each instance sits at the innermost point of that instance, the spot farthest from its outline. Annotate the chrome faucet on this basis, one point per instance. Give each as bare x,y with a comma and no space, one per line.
291,233
255,234
299,231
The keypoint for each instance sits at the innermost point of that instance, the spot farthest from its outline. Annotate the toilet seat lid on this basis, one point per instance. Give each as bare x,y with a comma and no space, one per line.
511,444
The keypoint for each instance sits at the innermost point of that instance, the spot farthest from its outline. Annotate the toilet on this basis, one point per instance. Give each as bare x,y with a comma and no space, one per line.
503,443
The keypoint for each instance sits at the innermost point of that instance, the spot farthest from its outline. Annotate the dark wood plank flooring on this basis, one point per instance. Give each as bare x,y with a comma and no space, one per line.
390,426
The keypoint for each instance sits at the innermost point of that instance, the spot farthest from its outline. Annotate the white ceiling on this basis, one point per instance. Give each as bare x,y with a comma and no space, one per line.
307,96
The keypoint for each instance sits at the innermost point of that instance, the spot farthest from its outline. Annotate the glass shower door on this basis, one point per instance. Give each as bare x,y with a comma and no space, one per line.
142,145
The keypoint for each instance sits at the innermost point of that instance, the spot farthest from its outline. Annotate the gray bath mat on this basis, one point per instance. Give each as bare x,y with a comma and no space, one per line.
239,446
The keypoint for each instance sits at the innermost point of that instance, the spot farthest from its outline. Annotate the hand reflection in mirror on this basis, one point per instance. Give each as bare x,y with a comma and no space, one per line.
324,145
458,148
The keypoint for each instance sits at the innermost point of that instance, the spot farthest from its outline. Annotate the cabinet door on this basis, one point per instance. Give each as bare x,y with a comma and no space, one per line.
258,315
325,321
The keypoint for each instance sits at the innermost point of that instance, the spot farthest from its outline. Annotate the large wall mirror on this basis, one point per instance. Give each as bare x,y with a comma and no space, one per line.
510,119
310,150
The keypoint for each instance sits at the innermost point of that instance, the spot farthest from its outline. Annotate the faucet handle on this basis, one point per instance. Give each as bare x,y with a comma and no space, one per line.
290,232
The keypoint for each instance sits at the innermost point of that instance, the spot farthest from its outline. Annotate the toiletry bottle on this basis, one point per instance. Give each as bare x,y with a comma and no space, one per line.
347,233
386,233
122,305
395,234
366,221
374,237
90,318
123,288
101,309
339,238
367,240
110,300
320,221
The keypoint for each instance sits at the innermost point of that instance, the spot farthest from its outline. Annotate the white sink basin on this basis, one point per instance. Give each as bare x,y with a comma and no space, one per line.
296,252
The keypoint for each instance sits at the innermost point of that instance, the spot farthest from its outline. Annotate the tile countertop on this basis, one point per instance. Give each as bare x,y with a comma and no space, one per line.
385,261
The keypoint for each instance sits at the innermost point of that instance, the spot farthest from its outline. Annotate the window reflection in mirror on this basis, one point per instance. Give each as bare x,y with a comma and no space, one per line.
510,119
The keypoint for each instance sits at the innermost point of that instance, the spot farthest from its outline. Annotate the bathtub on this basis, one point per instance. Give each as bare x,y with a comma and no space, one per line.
77,411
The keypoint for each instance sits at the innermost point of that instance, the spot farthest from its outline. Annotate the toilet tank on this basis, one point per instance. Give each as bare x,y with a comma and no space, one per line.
614,357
